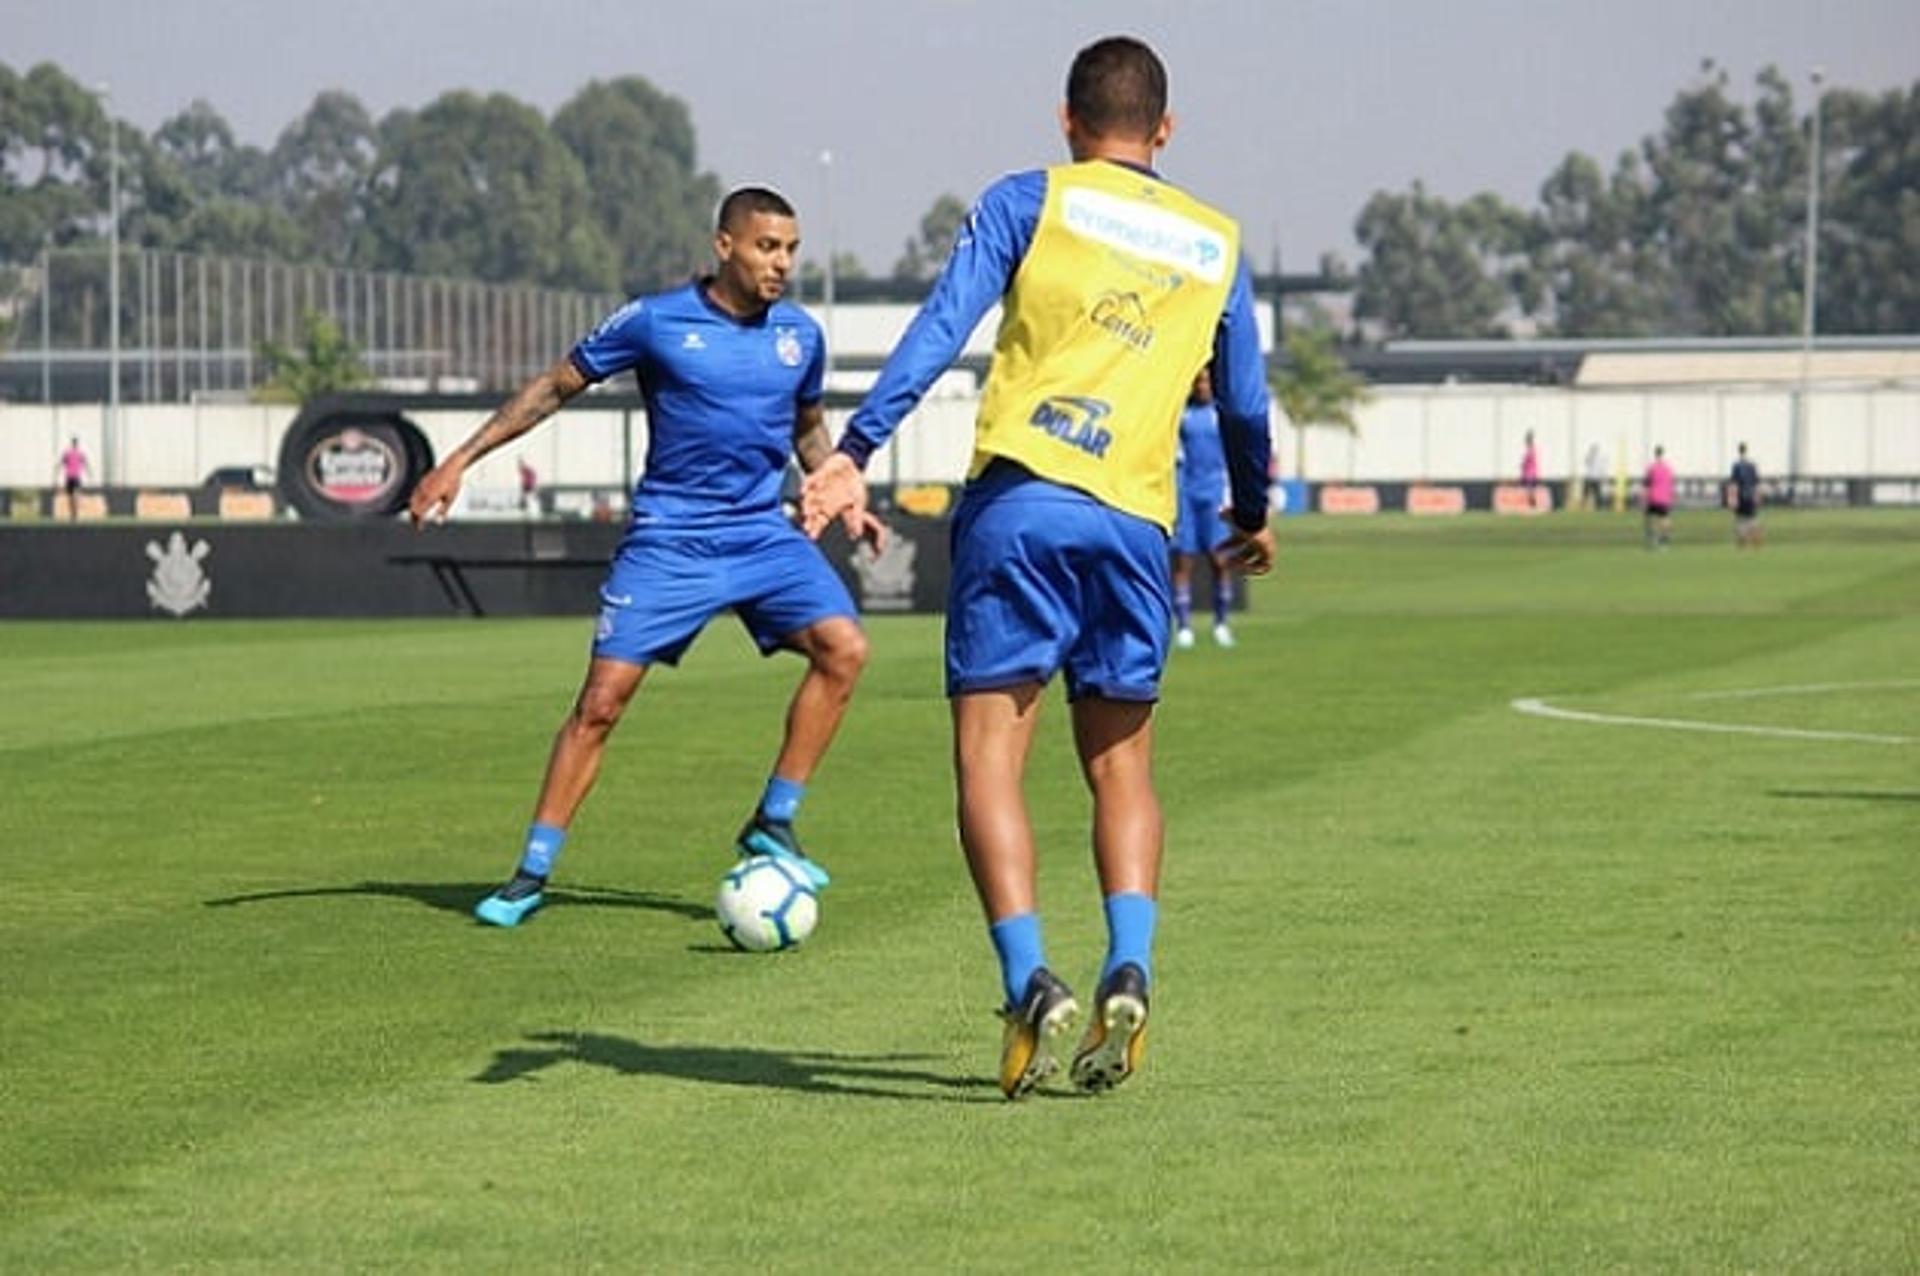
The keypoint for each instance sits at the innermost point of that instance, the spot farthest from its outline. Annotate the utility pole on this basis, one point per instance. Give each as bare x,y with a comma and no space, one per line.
1809,285
109,469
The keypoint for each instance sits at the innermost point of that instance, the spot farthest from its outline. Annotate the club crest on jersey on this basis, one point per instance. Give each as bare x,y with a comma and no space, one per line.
786,346
1075,420
692,341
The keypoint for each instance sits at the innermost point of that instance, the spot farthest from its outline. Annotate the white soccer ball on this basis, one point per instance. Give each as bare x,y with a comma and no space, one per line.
765,905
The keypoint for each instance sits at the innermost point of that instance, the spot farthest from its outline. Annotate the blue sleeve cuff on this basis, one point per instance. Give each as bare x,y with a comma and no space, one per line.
580,364
855,449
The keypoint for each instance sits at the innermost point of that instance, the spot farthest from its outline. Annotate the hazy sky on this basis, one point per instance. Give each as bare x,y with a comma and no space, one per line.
1291,113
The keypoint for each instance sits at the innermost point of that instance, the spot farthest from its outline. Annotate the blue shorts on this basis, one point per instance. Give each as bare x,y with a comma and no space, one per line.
1047,578
665,584
1197,527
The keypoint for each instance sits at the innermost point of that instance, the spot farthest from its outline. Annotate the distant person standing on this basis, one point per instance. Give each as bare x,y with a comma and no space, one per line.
1659,501
72,469
1743,498
1197,527
1530,468
529,489
1595,468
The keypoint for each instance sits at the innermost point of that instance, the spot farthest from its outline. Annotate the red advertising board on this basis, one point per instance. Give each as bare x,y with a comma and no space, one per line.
1349,500
1511,498
1422,499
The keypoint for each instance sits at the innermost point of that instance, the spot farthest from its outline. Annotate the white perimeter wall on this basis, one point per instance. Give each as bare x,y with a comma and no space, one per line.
1460,433
1437,433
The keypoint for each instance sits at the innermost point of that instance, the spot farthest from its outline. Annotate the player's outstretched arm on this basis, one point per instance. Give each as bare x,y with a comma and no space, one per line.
531,404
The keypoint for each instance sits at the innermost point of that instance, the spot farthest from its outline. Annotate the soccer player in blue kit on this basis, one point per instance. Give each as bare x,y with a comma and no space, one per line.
1197,529
1116,288
732,377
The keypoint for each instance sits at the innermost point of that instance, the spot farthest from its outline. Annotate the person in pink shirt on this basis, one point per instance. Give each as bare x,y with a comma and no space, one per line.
1659,501
72,467
1530,466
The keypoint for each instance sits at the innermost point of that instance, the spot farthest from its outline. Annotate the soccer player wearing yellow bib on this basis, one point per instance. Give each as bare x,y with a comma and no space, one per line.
1116,288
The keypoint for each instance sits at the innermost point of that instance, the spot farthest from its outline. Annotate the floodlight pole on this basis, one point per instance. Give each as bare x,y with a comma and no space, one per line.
109,470
1809,283
46,318
826,212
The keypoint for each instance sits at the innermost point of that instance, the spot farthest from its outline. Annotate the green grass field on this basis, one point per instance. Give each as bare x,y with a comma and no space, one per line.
1442,986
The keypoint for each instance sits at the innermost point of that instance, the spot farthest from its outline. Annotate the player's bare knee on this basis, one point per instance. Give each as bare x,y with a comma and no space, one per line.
596,713
840,653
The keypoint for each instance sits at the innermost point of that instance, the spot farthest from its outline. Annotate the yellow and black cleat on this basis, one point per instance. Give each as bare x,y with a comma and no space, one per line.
1116,1035
1030,1047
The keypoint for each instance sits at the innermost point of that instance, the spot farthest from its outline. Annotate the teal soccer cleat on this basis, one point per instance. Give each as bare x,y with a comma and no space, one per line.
763,836
512,903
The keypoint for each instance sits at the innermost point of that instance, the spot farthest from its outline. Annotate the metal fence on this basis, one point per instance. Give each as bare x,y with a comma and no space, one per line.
192,327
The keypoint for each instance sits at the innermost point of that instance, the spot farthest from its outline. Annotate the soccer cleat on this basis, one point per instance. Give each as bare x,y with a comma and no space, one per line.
1222,635
1116,1035
1183,638
763,836
511,904
1030,1043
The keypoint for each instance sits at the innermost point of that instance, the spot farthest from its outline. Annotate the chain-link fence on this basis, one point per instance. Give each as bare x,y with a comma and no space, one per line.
192,327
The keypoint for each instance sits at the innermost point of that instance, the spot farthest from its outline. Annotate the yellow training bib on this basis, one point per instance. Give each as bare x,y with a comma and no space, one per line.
1109,318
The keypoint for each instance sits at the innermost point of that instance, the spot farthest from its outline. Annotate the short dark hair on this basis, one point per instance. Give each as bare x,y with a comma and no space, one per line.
1117,87
743,201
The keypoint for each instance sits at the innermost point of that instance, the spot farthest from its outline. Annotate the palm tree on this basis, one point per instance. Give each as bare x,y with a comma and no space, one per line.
1316,388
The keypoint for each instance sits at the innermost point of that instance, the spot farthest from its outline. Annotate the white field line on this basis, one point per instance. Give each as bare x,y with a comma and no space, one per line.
1804,689
1541,709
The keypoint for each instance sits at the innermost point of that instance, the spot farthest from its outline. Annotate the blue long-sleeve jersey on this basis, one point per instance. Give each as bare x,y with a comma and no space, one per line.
992,244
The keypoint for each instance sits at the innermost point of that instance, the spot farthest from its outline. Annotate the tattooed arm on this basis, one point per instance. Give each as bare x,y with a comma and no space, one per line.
811,442
531,404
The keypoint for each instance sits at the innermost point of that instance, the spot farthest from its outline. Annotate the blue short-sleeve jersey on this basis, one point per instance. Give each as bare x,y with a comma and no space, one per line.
1203,460
721,392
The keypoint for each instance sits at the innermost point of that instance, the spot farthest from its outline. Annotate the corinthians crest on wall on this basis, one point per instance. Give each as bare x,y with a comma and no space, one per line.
179,584
886,578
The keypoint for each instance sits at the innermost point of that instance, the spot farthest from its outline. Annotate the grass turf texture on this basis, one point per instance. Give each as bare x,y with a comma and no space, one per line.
1441,986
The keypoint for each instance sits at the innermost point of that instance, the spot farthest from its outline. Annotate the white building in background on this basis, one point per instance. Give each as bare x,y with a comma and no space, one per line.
1699,400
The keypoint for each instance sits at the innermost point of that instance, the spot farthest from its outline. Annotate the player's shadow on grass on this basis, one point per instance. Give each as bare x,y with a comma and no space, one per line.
812,1072
1851,795
460,897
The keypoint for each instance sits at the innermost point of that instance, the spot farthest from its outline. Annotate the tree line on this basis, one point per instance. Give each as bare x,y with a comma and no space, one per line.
607,195
1698,231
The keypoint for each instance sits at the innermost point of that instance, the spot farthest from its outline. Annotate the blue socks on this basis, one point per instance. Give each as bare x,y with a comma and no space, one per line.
1222,597
543,847
1130,919
782,799
1183,606
1017,941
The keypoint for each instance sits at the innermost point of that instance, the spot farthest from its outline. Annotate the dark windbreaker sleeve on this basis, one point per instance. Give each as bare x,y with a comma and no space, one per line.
1240,395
